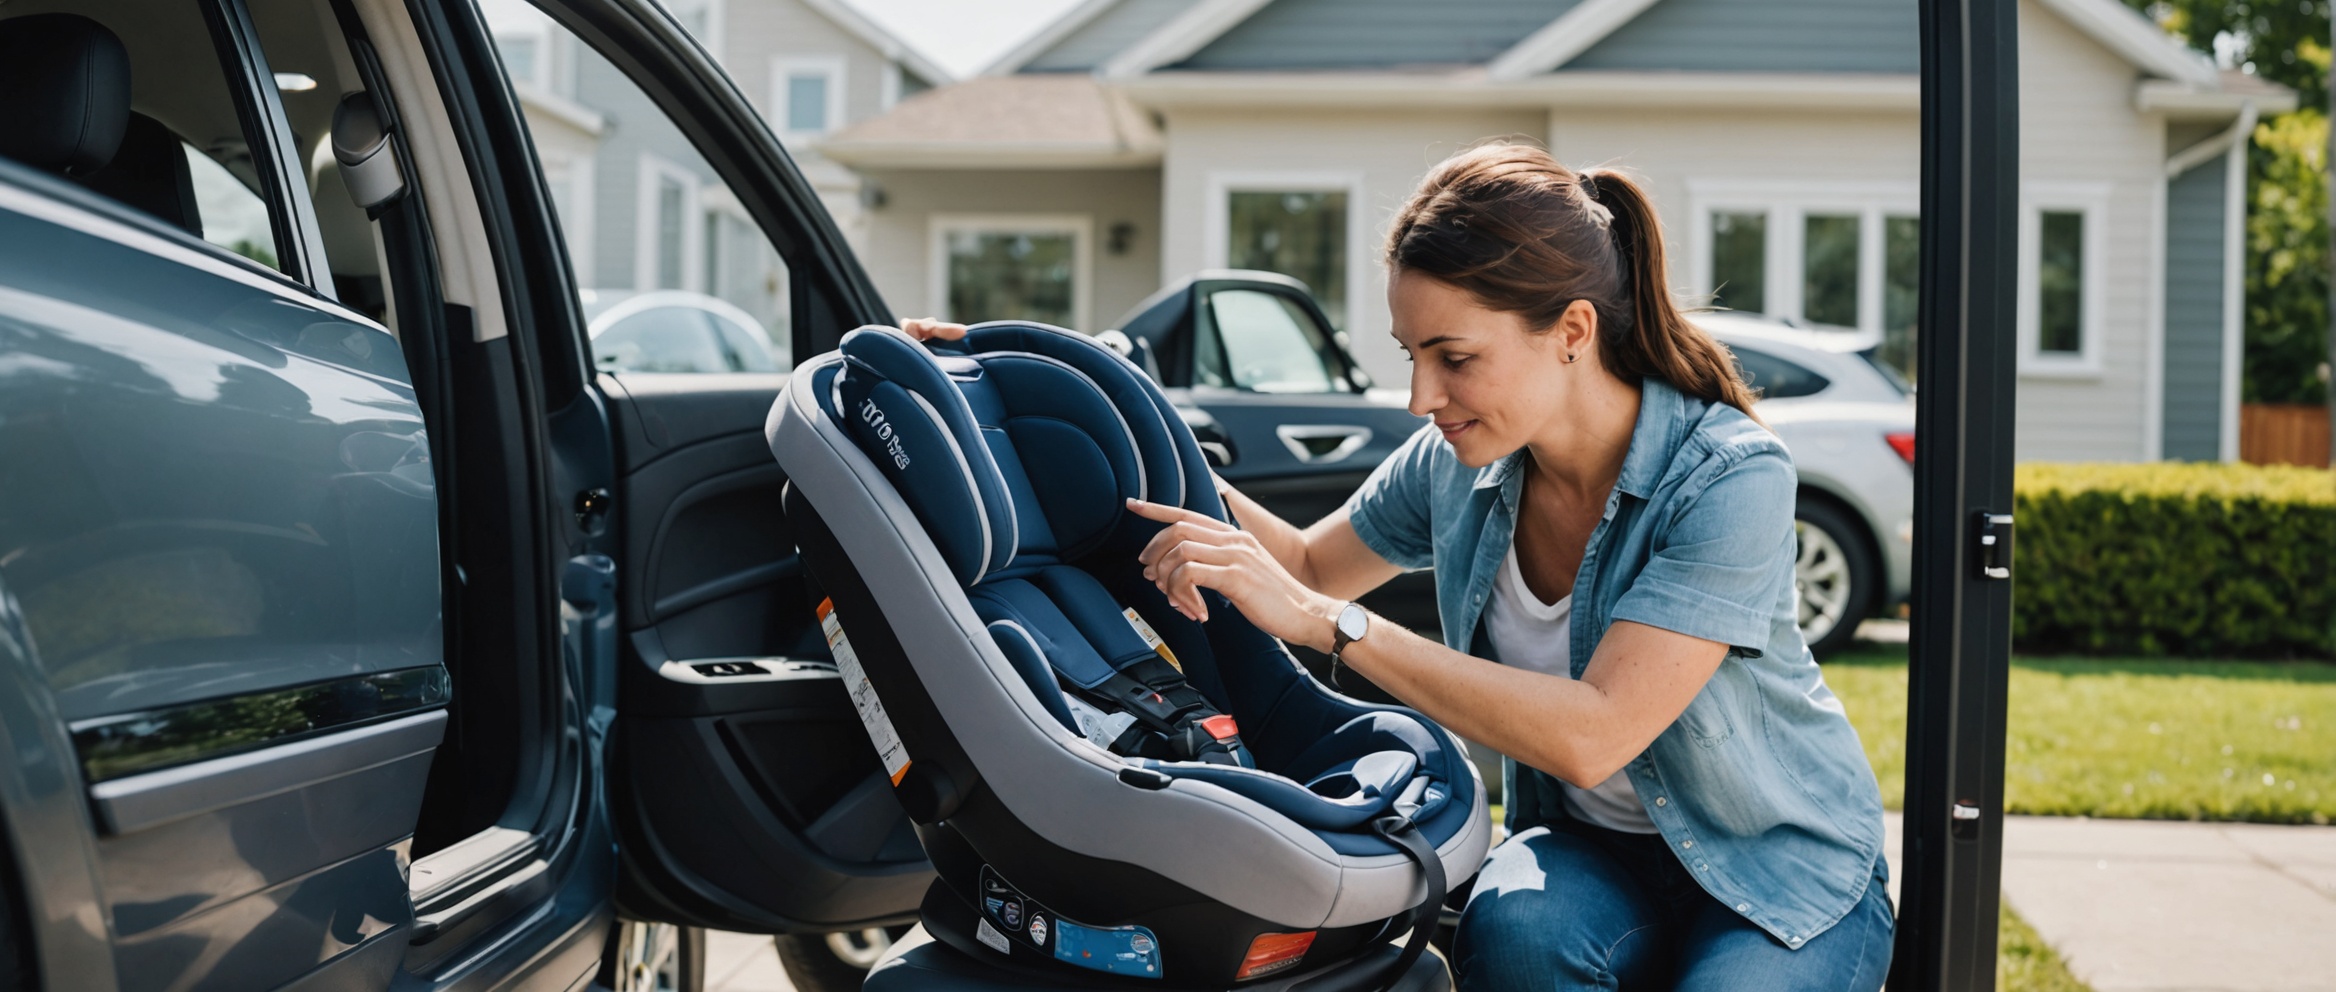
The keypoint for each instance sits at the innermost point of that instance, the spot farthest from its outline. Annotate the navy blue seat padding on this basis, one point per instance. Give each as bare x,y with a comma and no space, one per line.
1017,456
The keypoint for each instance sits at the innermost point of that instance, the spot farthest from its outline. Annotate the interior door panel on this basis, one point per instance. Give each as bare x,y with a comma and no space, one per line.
749,796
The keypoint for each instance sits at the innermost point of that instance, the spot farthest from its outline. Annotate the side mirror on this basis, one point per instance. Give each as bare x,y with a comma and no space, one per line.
363,146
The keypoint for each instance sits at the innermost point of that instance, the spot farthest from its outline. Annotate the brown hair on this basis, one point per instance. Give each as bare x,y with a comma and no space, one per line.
1526,235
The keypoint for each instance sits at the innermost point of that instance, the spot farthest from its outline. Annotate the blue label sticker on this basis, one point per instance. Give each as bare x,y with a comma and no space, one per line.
1118,950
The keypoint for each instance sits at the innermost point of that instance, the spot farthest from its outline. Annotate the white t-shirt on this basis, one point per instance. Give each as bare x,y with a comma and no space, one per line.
1528,633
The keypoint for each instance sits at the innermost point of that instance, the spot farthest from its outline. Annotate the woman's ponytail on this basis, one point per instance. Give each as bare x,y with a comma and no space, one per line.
1662,343
1526,235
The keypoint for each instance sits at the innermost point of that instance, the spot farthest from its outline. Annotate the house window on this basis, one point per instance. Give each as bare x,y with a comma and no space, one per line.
807,96
1901,290
1298,233
668,244
1829,254
1739,261
1829,269
2060,279
2059,283
1011,268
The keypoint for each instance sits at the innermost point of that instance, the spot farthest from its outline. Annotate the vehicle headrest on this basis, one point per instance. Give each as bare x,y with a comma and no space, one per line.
150,173
1010,454
64,92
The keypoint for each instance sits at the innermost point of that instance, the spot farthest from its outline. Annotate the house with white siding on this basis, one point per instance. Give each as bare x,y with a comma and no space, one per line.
1133,142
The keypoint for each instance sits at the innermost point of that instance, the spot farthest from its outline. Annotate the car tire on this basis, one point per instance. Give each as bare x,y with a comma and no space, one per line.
833,962
1835,574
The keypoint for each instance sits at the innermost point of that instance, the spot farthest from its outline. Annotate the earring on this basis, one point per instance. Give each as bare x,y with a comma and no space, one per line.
1569,357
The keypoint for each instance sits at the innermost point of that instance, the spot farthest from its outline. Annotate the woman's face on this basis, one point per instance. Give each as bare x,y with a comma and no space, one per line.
1487,380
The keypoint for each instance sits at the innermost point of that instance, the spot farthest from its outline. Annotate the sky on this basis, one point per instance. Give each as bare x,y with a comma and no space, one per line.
962,35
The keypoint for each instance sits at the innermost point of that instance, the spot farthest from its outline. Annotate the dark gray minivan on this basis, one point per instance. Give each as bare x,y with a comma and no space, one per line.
356,630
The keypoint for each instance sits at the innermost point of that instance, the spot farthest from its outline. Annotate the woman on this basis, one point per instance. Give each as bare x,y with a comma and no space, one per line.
1612,536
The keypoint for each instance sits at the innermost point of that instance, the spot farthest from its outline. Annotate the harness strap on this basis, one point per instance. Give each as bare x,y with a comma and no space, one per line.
1404,834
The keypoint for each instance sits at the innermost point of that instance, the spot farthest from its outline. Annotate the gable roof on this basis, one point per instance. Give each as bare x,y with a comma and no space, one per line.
1572,28
1087,35
884,42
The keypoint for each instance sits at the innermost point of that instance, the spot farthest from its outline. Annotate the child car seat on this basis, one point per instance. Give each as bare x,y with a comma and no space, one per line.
1100,782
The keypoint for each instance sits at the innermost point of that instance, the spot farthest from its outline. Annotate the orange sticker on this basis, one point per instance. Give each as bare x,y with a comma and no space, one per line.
1272,952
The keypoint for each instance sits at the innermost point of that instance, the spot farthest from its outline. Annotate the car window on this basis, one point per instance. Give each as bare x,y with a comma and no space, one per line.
186,152
1263,342
1890,373
1775,378
642,211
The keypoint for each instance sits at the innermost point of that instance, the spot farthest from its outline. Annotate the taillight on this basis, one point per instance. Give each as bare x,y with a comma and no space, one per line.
1903,444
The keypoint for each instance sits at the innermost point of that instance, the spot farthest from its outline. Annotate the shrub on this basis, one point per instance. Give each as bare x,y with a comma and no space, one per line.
2175,558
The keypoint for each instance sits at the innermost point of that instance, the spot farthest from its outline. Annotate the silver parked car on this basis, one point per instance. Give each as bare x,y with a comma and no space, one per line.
1848,418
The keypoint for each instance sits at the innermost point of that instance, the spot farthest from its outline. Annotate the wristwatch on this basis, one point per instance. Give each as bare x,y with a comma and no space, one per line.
1353,623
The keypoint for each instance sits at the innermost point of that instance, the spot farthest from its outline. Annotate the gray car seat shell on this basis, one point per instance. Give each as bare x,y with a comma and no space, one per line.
997,782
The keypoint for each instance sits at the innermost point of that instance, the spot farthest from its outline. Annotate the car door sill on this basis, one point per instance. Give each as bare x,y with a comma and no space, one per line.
447,877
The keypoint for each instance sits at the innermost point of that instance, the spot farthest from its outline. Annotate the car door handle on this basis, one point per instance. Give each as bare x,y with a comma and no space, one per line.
1321,444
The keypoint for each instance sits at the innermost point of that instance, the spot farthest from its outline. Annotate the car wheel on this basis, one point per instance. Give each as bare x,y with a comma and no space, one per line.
835,962
657,957
1834,574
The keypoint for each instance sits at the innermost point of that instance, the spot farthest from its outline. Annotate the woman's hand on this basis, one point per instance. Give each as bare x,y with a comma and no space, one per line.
1195,552
928,328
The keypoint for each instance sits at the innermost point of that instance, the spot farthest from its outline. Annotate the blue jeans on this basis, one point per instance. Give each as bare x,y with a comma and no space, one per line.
1578,906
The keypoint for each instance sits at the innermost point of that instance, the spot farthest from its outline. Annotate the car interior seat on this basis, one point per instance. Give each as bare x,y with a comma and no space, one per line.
65,110
1101,783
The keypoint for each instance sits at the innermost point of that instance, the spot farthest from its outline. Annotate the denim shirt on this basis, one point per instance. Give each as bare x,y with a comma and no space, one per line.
1760,786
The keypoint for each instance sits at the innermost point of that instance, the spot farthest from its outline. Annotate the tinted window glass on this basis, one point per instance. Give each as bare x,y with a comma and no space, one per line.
186,153
1775,378
1268,343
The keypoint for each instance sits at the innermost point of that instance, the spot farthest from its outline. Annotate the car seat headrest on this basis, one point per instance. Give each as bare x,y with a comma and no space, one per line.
150,173
909,417
1010,455
64,92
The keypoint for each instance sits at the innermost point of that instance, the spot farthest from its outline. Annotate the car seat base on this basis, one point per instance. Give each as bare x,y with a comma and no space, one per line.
919,963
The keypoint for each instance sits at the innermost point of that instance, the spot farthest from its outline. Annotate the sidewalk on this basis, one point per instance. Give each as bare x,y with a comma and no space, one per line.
2137,905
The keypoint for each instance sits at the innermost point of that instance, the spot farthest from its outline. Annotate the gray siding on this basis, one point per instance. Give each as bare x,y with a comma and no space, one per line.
1764,36
1351,34
2194,288
1096,41
635,125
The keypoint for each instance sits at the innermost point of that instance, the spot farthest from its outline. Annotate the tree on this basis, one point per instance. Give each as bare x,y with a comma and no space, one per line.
2287,264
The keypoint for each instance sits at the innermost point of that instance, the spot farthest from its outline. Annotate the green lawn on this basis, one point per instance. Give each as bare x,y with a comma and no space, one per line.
2133,738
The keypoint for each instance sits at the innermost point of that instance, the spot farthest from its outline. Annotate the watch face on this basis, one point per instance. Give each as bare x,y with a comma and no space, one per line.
1353,622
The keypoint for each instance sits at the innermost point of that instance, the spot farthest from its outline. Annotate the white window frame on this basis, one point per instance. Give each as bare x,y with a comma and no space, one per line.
833,67
1217,221
1081,228
1787,206
2091,201
889,91
693,225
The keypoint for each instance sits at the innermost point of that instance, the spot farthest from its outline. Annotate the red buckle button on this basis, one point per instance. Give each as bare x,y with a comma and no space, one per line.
1220,726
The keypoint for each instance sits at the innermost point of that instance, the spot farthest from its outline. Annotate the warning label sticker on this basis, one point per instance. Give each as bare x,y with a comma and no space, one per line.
991,938
1151,637
871,709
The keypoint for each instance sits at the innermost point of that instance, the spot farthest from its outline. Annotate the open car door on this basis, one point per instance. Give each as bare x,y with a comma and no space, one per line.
745,794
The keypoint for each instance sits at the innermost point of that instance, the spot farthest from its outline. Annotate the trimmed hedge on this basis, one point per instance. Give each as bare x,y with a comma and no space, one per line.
2201,560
